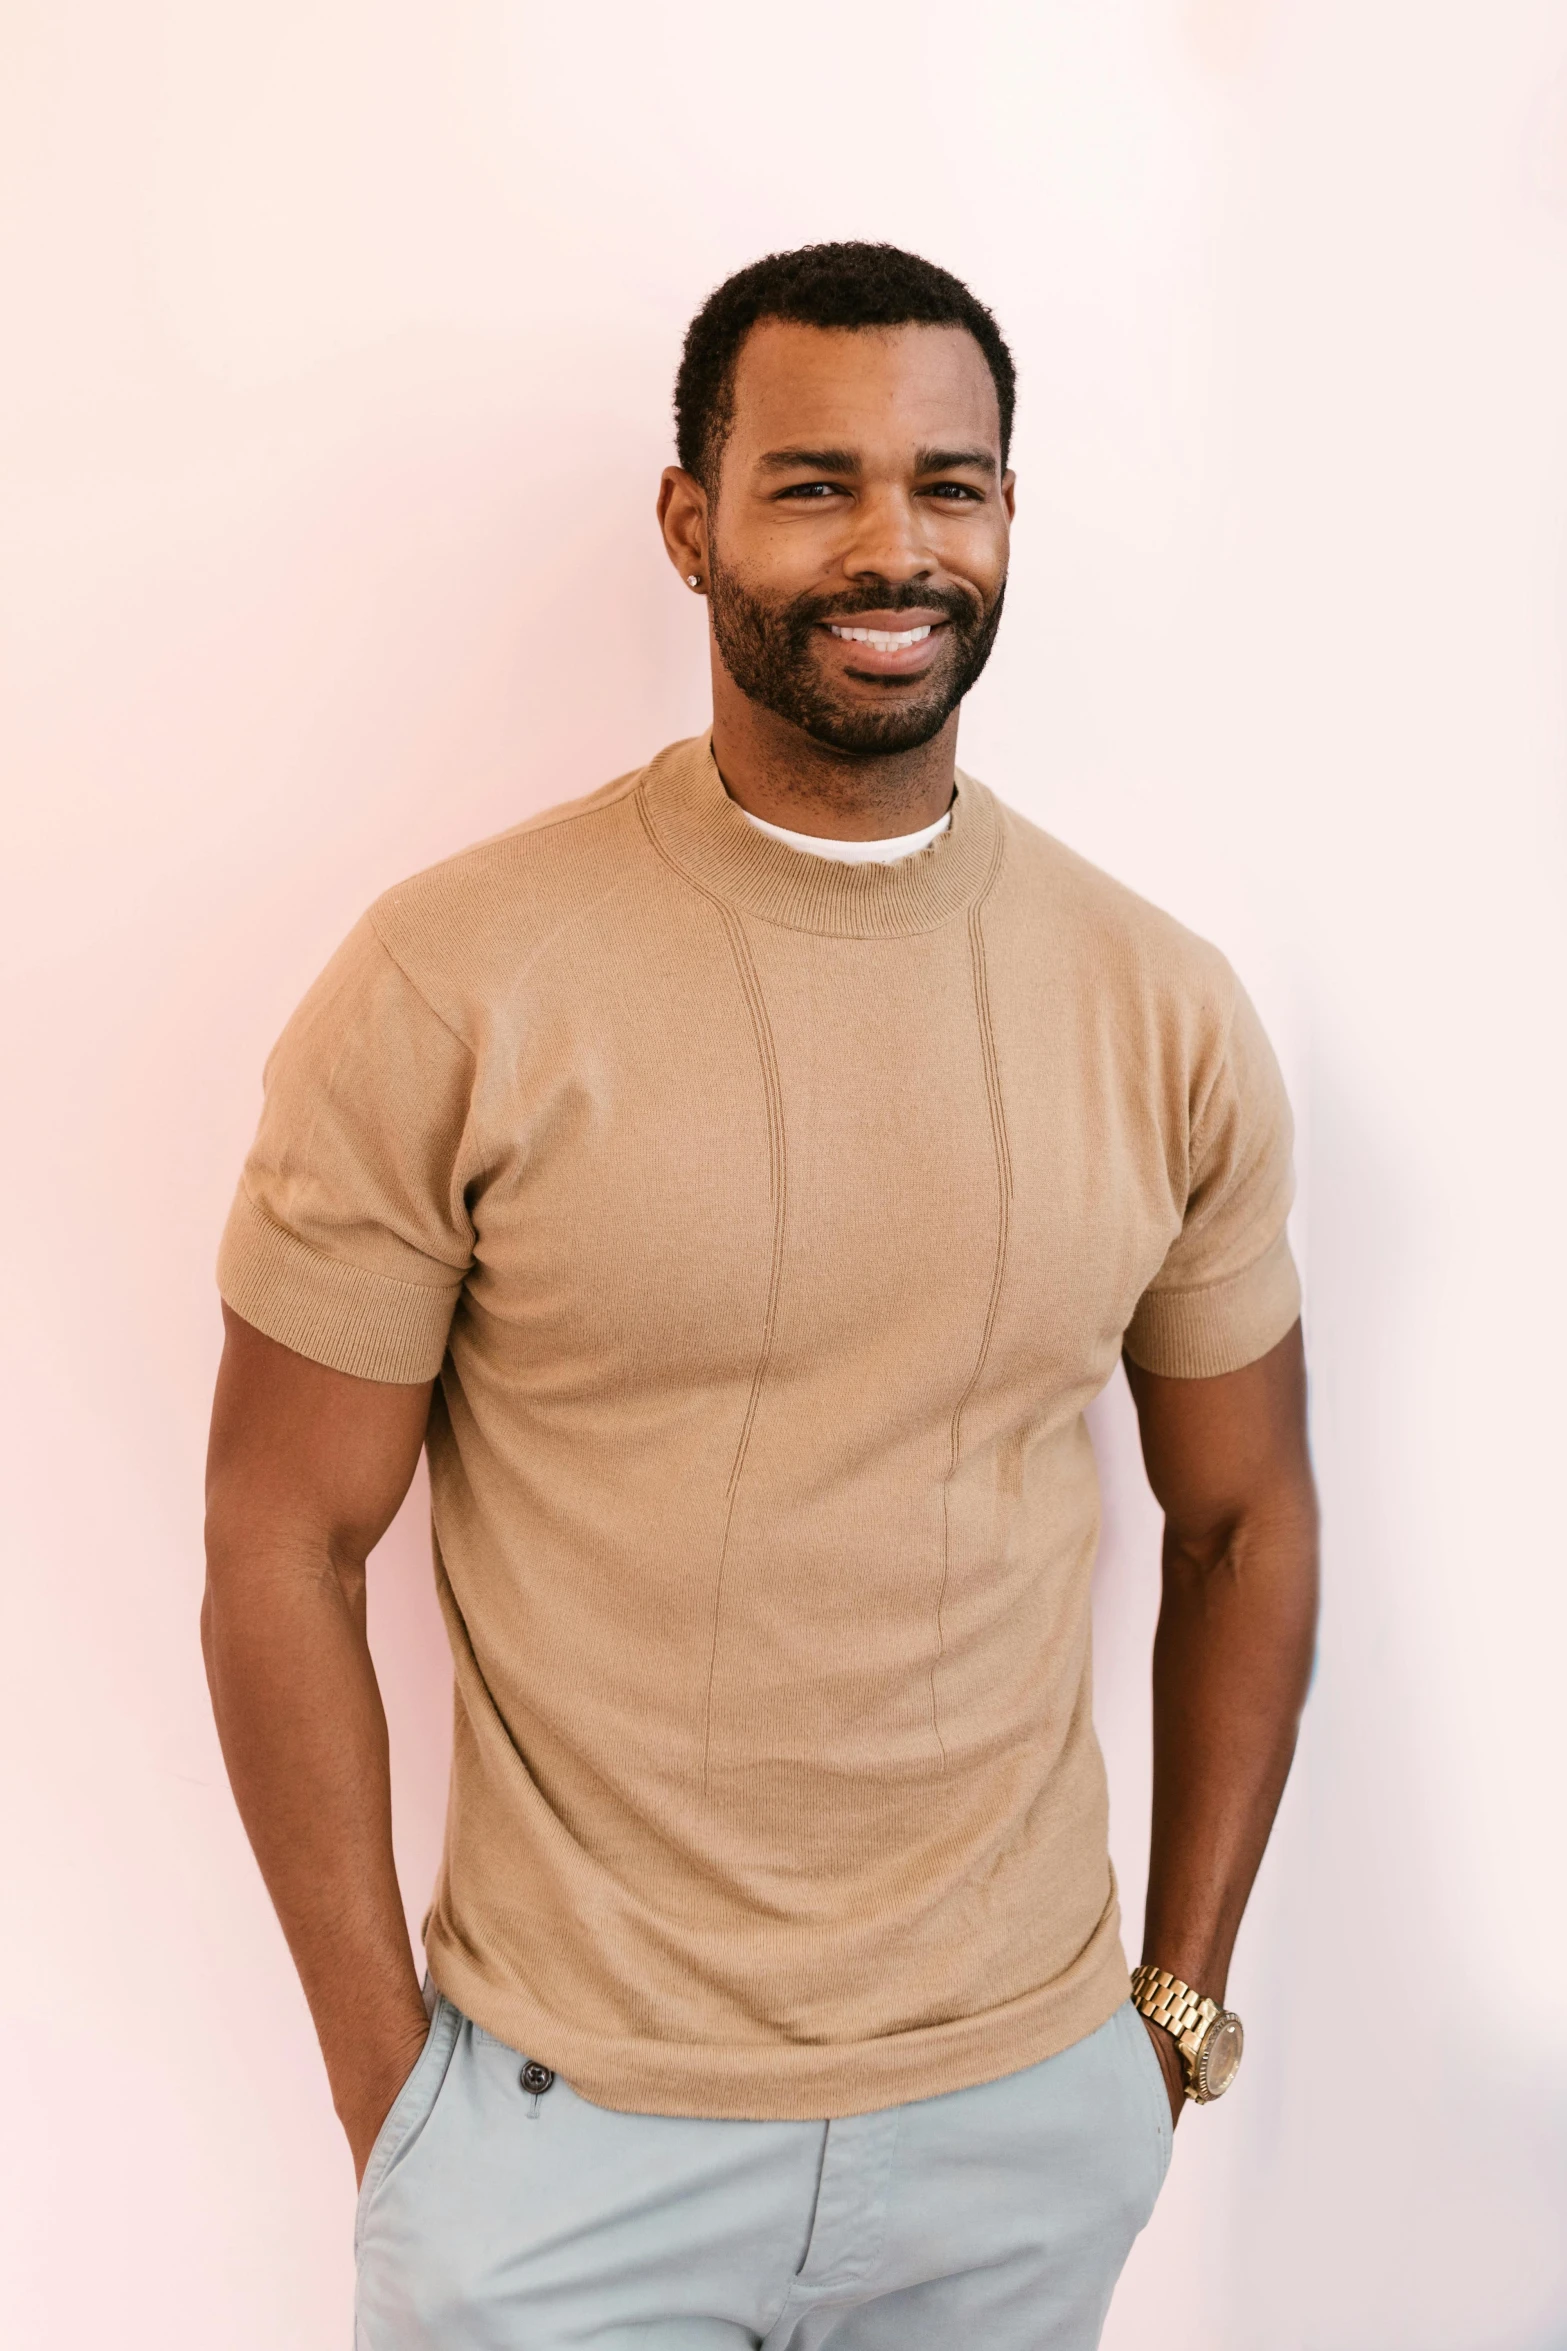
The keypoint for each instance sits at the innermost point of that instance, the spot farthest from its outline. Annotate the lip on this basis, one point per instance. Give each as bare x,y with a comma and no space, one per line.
880,662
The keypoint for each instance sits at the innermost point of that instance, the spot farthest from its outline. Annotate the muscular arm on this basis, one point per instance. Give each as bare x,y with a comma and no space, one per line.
305,1471
1228,1462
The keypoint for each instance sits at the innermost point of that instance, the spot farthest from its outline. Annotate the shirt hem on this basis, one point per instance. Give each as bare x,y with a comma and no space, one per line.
789,2081
1222,1327
367,1324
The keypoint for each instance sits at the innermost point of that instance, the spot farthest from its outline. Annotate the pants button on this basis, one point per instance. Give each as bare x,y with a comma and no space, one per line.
536,2078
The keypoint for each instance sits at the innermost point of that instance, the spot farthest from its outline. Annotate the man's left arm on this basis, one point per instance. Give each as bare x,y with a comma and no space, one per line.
1228,1462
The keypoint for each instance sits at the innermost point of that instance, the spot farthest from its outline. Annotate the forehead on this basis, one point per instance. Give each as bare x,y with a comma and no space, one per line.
861,387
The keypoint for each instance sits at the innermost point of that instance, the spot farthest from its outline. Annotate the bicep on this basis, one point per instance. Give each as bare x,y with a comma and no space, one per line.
301,1453
1218,1449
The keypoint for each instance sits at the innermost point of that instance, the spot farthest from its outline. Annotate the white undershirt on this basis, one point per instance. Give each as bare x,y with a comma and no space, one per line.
853,852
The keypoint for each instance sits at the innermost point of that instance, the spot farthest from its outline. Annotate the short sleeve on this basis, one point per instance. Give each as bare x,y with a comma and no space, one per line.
349,1237
1228,1291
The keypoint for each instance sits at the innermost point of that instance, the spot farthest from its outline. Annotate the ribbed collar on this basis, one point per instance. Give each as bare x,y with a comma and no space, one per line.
694,824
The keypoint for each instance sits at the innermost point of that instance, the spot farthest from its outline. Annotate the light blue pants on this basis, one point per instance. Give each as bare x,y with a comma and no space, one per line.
991,2219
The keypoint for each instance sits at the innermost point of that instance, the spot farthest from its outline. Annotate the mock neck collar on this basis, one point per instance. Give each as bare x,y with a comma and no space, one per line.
698,828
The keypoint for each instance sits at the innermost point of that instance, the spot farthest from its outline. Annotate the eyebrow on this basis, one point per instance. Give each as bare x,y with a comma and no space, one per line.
846,461
810,461
954,460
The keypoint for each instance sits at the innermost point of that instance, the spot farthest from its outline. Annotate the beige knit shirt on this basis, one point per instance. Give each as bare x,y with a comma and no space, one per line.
768,1223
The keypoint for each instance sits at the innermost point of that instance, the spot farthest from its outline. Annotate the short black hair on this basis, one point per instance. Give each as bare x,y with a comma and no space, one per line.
849,285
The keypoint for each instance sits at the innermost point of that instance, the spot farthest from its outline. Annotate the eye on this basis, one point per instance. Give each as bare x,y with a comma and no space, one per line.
956,493
811,490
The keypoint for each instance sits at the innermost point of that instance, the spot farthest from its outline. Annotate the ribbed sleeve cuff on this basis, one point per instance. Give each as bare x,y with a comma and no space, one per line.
367,1324
1197,1334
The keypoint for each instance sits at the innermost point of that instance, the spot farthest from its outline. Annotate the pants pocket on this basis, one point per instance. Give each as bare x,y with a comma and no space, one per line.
1145,2058
413,2106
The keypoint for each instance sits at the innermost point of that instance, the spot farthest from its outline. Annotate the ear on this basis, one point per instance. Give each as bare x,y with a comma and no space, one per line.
1009,495
682,517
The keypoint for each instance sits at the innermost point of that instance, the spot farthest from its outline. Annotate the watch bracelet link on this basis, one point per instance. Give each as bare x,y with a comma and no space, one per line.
1166,2001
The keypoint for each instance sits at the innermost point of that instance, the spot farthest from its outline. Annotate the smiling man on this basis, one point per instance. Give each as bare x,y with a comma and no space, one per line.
740,1181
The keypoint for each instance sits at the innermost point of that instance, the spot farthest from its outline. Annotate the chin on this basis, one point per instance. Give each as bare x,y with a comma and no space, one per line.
878,731
900,716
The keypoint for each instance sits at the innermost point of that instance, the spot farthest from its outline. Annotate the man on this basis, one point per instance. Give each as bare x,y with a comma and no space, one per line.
740,1181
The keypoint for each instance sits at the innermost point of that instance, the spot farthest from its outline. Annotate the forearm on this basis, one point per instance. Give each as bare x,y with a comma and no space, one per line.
304,1736
1232,1659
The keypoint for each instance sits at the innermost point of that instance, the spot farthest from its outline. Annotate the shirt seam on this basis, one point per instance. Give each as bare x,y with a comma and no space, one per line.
1002,1151
433,1010
1201,1116
772,1089
482,1169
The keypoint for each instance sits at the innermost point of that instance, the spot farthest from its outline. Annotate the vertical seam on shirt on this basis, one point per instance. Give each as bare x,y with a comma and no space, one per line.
772,1087
1003,1158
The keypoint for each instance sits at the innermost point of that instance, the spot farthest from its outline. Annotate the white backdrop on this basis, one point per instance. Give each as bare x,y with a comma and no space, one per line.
338,340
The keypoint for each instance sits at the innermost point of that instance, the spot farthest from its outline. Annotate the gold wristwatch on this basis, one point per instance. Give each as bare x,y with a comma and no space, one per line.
1208,2037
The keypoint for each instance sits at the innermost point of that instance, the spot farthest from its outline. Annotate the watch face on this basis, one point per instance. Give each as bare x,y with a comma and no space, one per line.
1220,2060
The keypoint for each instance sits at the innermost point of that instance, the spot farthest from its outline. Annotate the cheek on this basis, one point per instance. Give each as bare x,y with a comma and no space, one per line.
770,570
975,552
797,558
993,551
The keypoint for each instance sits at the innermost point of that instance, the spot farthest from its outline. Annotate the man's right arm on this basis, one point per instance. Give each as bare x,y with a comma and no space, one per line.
305,1471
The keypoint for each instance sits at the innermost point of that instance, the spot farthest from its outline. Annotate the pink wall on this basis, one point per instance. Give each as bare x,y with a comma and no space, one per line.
338,341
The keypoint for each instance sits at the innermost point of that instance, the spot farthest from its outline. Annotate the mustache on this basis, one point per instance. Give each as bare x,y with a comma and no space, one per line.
958,604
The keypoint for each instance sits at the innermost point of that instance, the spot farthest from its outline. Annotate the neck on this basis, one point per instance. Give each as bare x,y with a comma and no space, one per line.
777,772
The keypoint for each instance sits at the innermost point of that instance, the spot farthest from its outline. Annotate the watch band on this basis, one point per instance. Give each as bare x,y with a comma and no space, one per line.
1164,1999
1209,2038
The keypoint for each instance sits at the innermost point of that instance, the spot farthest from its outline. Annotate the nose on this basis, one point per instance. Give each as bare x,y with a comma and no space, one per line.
888,540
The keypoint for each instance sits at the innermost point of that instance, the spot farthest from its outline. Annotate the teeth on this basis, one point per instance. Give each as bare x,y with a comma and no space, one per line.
884,640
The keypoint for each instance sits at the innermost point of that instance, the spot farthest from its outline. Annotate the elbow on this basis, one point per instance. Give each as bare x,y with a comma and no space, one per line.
1271,1544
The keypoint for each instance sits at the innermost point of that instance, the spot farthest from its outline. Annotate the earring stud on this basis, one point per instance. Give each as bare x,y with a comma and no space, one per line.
692,581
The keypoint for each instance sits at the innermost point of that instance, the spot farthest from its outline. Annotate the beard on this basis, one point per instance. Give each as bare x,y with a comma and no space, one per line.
770,652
